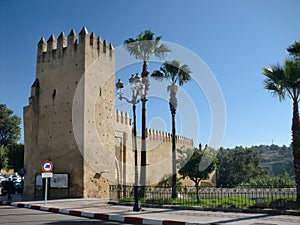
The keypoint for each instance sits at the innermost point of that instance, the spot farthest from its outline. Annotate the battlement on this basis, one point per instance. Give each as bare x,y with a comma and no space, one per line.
156,135
57,48
123,118
151,134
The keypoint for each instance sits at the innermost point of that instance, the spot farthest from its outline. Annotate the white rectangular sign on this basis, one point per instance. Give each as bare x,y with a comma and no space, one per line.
47,175
59,181
39,182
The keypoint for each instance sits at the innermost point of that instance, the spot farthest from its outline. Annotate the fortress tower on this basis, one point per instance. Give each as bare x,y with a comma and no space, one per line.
70,71
71,121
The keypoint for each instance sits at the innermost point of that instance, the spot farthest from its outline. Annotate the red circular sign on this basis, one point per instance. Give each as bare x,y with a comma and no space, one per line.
47,166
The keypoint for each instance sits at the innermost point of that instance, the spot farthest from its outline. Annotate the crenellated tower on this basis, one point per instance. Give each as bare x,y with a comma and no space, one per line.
71,120
70,70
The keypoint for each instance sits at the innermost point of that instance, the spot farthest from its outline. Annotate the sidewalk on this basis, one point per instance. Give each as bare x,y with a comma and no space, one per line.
100,209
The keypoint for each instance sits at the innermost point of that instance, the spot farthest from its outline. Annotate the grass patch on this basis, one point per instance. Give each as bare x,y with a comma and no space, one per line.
278,202
126,199
232,202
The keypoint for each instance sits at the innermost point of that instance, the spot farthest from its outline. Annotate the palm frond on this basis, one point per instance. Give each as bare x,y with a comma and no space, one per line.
157,75
294,49
161,51
129,40
133,47
184,74
146,35
185,69
165,71
146,45
292,71
275,89
158,38
292,81
175,72
275,81
274,72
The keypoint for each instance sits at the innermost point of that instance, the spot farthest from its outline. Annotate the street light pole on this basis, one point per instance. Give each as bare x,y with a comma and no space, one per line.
137,203
145,81
137,89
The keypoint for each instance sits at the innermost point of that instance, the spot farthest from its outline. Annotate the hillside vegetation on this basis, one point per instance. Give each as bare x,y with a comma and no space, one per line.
275,159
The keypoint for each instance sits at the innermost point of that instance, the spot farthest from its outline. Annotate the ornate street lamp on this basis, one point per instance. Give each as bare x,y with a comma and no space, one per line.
138,89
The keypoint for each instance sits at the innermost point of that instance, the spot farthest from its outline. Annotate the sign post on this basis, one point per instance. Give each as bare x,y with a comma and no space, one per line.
47,168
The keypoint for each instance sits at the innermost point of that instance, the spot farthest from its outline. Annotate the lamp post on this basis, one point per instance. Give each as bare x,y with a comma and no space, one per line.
137,90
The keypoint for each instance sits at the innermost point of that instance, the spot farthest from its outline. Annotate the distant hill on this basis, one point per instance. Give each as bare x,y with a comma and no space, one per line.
276,159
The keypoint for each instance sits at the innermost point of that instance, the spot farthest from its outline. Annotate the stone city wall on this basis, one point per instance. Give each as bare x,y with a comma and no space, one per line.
71,120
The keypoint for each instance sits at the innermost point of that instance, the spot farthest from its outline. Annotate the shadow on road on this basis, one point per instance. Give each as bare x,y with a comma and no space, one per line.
247,219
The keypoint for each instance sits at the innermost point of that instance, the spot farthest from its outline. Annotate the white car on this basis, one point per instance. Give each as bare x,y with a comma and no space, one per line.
3,177
15,178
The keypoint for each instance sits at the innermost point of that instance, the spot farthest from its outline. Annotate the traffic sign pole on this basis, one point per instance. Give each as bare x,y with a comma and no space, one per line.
47,167
46,191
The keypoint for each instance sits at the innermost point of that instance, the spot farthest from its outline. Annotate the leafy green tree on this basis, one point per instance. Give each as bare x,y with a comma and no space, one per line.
3,157
192,171
264,180
237,166
143,47
12,156
184,155
223,178
176,73
284,81
11,153
16,156
166,181
10,131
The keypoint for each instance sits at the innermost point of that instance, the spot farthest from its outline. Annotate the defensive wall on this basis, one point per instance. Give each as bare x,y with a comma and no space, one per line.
71,120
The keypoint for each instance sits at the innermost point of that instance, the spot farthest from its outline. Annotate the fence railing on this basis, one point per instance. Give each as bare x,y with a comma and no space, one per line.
275,198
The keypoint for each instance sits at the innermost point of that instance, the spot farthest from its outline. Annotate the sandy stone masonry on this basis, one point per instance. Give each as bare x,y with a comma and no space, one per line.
75,81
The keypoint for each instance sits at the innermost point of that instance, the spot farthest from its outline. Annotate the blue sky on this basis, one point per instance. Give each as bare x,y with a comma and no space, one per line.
234,38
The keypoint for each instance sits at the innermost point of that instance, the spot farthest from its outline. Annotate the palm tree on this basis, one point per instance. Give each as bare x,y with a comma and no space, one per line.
143,47
284,81
175,73
294,50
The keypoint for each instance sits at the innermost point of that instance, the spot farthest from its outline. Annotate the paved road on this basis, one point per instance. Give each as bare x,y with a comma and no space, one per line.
119,213
10,215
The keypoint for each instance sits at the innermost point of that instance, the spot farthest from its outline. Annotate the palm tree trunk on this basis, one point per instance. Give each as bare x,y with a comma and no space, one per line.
296,145
173,107
145,77
145,80
174,191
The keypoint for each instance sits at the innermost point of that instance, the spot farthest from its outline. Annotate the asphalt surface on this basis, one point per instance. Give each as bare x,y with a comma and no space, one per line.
10,215
100,209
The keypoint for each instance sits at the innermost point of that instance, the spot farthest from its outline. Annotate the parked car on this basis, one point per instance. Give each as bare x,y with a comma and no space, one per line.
18,187
16,181
15,178
3,177
5,185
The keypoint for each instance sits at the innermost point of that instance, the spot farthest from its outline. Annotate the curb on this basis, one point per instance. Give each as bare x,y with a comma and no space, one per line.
234,210
102,216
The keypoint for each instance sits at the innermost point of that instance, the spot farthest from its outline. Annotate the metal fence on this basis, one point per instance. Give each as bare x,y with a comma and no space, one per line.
241,198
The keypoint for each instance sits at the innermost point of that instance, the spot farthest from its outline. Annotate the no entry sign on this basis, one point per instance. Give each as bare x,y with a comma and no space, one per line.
47,166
